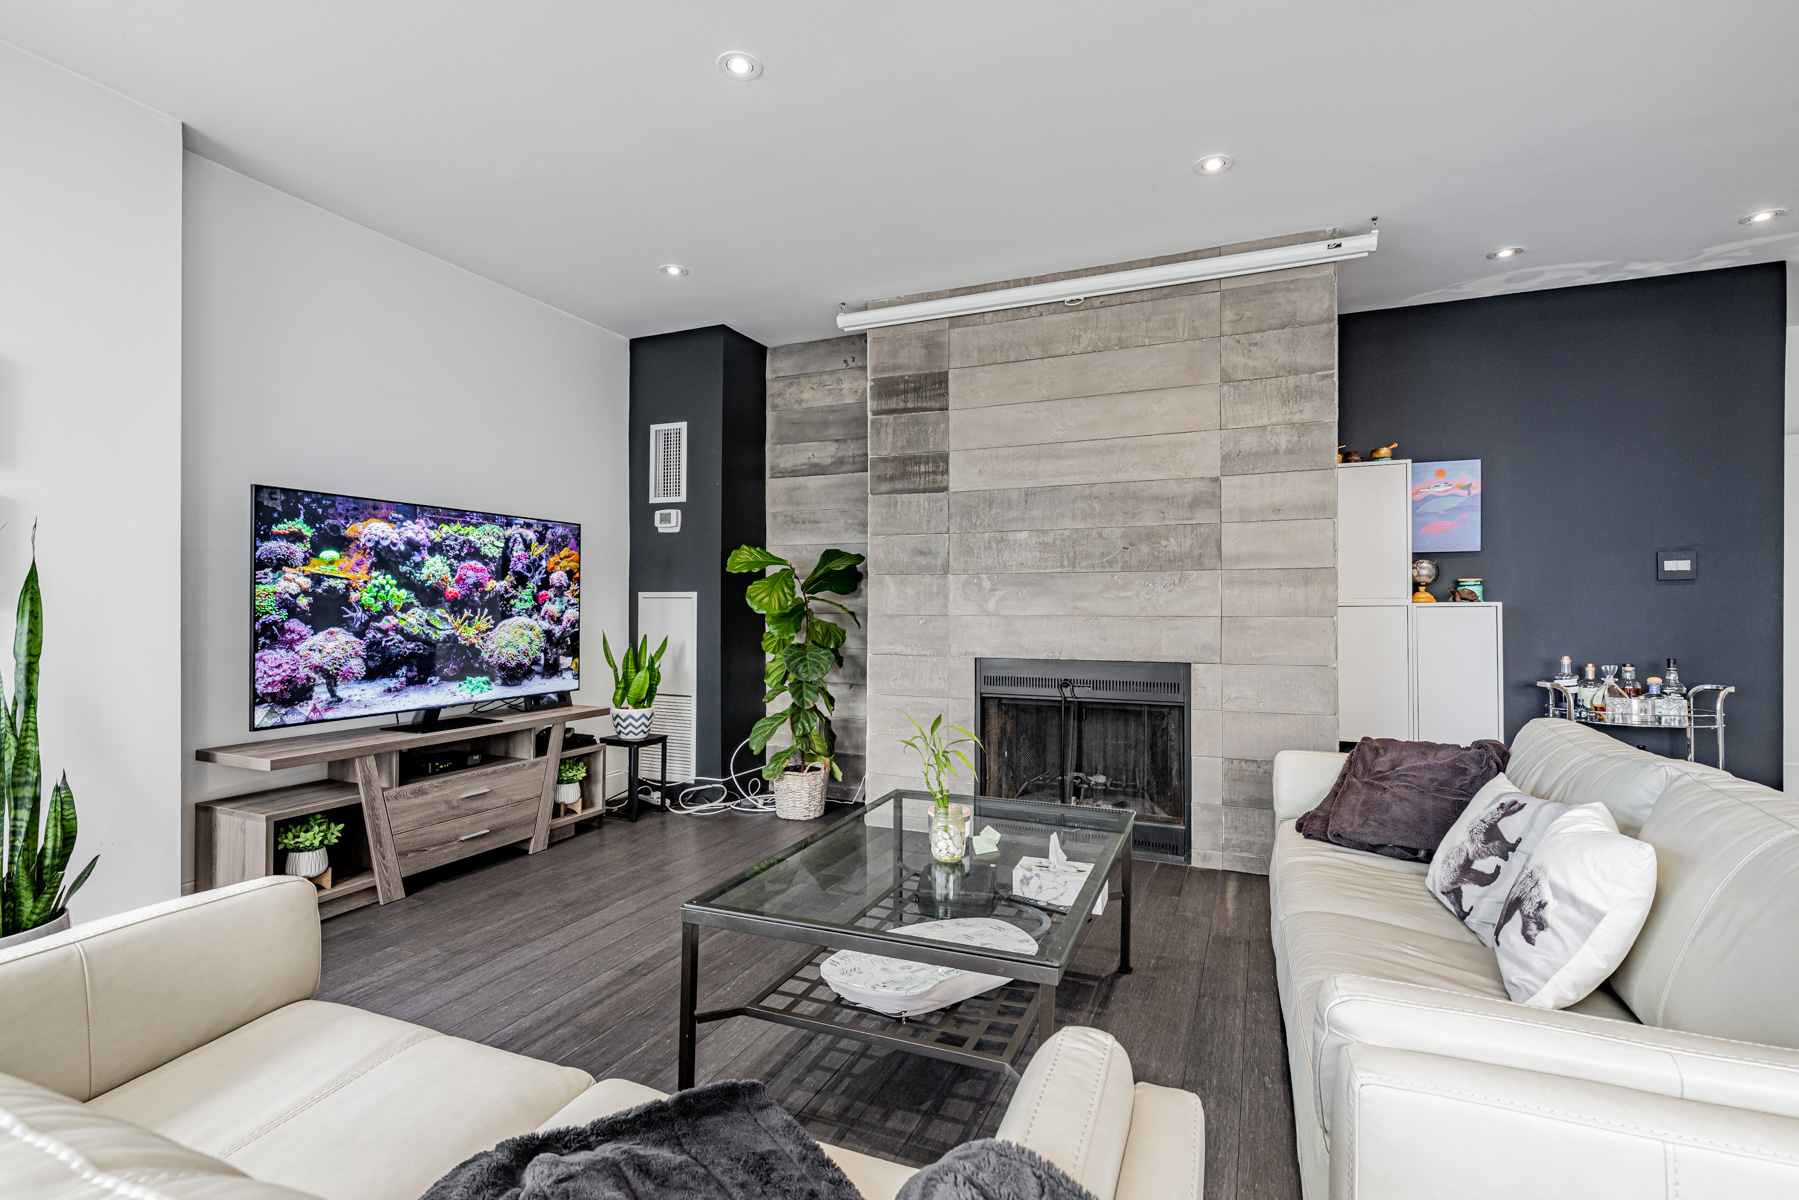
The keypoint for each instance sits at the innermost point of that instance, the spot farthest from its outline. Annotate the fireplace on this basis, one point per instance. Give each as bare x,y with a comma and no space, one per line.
1110,734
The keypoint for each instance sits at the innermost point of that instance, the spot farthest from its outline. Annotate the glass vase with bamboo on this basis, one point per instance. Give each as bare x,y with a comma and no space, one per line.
940,753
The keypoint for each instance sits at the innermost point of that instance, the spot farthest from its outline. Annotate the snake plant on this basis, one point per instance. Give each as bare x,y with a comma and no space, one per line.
40,841
636,676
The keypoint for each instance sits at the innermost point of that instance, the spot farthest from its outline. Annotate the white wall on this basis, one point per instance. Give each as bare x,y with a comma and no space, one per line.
90,449
322,355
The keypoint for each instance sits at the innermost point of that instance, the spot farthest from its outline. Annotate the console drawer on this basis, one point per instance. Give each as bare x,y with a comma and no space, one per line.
432,801
433,845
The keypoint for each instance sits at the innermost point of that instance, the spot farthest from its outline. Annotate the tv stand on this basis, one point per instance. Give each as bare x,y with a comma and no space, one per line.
397,826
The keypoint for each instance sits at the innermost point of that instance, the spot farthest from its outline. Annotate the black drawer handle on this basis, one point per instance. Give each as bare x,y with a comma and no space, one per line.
469,837
476,792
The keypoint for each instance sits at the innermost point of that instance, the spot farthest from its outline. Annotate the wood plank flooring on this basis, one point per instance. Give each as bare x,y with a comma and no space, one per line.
572,956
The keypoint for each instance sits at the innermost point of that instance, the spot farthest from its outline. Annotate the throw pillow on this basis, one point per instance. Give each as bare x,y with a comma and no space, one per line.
1399,798
1555,889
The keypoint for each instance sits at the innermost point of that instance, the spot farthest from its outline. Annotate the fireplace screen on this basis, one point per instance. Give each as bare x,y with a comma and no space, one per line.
1107,734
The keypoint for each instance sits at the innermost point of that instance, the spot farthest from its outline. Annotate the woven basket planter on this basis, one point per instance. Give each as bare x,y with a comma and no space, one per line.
800,795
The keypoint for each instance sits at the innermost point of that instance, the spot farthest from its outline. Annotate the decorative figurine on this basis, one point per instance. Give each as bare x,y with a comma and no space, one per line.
1464,595
1383,451
1424,573
1346,455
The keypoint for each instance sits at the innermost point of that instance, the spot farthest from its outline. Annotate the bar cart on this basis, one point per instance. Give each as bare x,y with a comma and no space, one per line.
1564,704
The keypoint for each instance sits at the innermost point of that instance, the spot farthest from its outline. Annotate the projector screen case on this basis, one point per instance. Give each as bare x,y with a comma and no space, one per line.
362,607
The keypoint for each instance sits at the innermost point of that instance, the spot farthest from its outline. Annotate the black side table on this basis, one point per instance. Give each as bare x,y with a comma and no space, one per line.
632,747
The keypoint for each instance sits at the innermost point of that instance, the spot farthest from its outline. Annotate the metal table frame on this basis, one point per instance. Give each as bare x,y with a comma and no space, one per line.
953,1034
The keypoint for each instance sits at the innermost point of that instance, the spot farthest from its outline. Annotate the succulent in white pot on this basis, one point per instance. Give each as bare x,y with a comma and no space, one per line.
636,676
569,774
305,842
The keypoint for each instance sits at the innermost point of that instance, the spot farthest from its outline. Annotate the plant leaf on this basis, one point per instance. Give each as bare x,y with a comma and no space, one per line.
808,662
772,593
764,729
774,672
824,633
773,641
833,563
753,558
786,625
777,763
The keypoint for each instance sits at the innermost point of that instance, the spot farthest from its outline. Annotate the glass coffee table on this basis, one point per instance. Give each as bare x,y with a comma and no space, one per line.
848,886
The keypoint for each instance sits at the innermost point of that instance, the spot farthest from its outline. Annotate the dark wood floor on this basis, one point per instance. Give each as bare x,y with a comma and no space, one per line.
571,955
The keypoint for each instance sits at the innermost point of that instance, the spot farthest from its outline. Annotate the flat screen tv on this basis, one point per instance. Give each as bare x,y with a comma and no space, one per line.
368,606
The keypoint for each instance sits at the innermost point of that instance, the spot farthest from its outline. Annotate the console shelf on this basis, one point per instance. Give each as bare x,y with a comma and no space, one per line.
396,826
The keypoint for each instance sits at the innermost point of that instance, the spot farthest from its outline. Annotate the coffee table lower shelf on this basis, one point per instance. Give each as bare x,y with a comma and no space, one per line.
988,1031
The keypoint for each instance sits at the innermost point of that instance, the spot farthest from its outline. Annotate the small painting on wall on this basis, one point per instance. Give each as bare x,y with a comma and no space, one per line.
1446,506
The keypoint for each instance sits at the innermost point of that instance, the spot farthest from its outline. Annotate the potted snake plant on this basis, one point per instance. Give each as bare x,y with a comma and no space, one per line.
635,677
39,840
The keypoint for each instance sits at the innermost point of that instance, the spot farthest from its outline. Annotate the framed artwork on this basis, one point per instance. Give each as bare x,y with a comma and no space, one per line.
1446,506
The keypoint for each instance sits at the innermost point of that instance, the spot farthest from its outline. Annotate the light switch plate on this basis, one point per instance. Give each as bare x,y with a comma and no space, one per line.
1677,564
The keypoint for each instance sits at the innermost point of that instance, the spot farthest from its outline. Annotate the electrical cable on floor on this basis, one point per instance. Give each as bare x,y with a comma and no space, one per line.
750,797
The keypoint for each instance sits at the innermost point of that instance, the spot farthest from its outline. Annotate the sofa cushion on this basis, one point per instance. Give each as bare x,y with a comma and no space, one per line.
1719,953
1399,798
1576,764
317,1096
55,1148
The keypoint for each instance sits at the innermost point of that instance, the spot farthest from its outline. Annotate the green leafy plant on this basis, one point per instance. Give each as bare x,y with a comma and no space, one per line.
39,841
636,677
939,753
802,647
314,833
572,770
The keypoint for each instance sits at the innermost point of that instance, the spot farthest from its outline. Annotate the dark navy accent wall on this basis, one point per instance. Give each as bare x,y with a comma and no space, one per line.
1612,421
713,379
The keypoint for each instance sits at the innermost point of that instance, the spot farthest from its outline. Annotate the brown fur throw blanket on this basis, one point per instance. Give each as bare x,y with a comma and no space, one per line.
1399,798
724,1141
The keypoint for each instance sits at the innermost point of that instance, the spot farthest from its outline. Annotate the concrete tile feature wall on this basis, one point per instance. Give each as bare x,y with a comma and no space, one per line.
1146,476
818,491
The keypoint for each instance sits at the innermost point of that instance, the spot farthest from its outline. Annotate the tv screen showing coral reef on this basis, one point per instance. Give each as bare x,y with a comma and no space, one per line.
370,606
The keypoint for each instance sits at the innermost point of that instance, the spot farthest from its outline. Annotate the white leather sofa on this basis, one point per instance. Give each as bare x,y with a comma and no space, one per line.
176,1053
1413,1074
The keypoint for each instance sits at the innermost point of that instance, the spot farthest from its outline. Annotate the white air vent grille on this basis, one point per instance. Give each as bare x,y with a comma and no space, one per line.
668,463
674,716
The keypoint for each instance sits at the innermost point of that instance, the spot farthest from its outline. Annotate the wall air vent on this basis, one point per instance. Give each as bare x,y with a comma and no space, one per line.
668,463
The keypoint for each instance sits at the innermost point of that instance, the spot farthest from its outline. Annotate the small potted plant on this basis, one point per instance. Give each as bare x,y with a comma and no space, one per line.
939,755
569,775
305,842
635,679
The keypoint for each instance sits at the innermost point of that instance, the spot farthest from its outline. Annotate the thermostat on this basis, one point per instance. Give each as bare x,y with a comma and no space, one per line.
1677,564
668,520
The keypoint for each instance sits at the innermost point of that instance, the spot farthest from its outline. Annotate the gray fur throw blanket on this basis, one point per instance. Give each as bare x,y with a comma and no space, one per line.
724,1141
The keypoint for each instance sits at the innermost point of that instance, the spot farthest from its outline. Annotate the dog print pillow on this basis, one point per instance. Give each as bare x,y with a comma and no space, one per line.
1555,889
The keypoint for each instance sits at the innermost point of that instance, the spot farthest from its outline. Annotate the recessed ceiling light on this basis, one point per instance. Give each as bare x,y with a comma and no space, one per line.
673,269
1506,252
1214,164
739,65
1766,214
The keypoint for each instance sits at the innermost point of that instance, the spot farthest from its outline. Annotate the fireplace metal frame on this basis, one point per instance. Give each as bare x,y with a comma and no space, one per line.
1163,684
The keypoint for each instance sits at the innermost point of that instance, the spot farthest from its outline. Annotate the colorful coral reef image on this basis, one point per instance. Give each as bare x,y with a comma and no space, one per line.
366,606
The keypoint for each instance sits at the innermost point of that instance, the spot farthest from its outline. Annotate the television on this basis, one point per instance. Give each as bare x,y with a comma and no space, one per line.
362,607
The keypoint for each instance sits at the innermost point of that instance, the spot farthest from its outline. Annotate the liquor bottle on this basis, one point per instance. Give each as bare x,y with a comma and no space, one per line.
1589,691
1673,708
1608,688
1649,711
1565,673
1629,683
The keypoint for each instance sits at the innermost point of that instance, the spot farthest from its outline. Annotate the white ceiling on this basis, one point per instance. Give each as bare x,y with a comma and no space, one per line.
568,147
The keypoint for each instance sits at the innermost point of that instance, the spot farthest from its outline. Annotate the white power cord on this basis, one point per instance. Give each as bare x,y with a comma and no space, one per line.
750,797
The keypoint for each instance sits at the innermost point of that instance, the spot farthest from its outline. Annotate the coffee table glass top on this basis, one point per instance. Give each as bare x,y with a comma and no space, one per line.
872,871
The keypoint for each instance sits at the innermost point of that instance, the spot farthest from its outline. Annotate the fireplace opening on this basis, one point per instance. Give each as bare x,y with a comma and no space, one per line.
1108,734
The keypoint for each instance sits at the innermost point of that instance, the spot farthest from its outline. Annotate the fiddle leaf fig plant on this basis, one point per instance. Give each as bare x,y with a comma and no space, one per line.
802,647
39,840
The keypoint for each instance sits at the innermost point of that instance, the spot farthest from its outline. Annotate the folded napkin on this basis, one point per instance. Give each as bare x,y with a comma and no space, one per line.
1053,880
